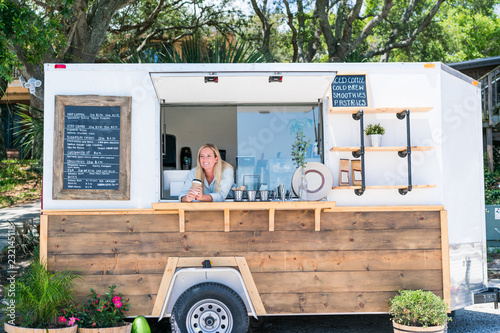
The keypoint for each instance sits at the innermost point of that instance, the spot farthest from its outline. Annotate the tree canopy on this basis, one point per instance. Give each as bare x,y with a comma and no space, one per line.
33,32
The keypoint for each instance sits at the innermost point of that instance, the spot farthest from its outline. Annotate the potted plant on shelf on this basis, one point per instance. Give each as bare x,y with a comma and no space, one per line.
299,150
418,311
375,133
104,314
34,299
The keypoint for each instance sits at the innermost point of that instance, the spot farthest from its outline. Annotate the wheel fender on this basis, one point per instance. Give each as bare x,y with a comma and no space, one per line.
184,278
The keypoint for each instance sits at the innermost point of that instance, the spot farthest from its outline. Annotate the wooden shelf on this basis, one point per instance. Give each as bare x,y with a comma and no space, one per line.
413,148
351,110
381,187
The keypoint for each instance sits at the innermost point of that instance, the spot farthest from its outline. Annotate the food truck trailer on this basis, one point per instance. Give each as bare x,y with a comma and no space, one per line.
407,214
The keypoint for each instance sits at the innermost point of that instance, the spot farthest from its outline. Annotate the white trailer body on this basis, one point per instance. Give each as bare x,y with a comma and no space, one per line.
451,173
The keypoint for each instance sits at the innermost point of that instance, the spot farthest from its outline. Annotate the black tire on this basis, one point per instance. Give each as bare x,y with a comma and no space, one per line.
209,308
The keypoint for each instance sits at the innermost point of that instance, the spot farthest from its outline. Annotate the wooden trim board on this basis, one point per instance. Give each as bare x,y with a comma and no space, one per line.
165,283
351,110
445,249
176,262
44,237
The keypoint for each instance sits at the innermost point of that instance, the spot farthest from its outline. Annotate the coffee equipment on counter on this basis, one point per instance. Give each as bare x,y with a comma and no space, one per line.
186,159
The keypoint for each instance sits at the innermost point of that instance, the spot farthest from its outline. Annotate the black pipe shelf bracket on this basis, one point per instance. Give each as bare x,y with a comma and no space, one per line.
361,152
407,152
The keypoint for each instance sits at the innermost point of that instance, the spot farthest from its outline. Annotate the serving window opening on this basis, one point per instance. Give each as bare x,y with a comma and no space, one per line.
255,139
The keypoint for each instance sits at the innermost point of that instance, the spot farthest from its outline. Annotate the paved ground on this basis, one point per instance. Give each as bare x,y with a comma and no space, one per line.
17,214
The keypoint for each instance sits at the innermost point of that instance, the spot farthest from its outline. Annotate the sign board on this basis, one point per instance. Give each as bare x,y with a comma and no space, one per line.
92,148
350,90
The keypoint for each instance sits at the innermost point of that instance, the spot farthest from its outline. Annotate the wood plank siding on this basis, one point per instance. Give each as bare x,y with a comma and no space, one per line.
354,263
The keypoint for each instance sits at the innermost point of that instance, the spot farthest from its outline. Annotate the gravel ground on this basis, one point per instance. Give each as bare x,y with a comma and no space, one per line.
479,318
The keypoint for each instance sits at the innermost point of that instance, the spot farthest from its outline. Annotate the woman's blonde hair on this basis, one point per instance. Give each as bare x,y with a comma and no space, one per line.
220,166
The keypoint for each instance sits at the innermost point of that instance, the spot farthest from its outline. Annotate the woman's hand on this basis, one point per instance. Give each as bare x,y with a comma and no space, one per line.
193,194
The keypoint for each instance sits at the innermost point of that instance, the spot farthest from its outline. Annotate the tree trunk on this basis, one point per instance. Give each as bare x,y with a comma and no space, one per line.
266,26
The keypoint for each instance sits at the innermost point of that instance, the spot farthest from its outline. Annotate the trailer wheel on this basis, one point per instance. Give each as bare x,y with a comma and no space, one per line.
209,308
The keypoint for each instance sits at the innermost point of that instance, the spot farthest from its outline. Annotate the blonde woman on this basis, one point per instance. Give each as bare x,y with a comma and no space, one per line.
216,175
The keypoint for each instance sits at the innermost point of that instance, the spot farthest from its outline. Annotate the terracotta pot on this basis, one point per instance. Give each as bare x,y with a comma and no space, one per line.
16,329
398,328
120,329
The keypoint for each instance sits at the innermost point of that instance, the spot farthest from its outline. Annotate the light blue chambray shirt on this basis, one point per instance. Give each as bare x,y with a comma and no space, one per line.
226,184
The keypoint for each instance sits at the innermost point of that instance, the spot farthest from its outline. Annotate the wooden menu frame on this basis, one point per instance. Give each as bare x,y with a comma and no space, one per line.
123,191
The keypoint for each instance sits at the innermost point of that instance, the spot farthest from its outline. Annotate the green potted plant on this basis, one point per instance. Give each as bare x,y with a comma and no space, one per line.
103,314
418,311
299,150
375,133
34,298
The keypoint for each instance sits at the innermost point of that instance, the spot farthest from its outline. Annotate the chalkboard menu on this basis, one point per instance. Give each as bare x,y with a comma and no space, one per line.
350,90
92,148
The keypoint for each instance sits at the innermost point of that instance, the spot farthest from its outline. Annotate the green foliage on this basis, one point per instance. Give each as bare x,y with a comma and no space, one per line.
195,50
40,294
462,30
19,181
24,240
99,312
374,129
418,308
299,148
32,31
31,133
491,187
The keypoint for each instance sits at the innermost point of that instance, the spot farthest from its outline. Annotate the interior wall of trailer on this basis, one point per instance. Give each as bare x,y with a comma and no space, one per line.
194,126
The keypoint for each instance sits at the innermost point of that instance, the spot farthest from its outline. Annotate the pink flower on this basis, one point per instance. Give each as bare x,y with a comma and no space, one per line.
118,304
72,321
62,319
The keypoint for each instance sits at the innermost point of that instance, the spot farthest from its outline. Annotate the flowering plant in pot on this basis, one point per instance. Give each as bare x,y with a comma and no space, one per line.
36,296
418,311
100,313
375,133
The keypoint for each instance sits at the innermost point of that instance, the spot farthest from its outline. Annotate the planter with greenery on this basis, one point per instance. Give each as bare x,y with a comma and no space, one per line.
418,311
375,133
299,150
35,299
104,314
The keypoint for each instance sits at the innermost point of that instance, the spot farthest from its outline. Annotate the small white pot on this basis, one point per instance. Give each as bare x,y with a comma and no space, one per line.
375,140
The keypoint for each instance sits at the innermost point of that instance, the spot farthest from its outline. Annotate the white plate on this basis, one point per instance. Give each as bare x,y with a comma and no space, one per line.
319,180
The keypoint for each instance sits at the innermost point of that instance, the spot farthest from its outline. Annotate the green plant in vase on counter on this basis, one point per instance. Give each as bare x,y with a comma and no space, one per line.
299,150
